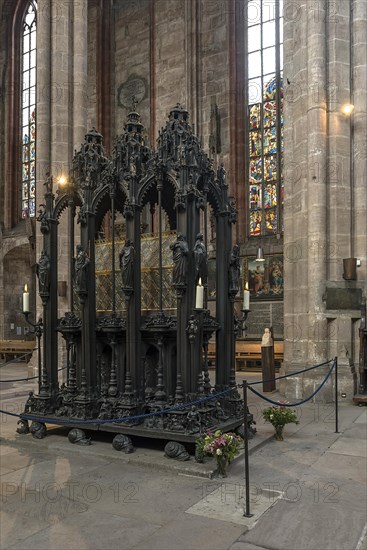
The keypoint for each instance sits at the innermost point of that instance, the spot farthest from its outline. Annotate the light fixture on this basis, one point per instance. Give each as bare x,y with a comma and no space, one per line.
347,109
260,255
62,180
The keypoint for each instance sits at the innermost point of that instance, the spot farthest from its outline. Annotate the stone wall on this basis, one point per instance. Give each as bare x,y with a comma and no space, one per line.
215,83
17,272
325,167
92,16
131,60
176,52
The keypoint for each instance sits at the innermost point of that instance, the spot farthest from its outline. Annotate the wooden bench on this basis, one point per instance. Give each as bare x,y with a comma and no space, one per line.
11,349
248,354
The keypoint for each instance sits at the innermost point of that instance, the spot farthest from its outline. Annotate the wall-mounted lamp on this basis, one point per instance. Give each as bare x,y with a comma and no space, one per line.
260,255
347,109
62,180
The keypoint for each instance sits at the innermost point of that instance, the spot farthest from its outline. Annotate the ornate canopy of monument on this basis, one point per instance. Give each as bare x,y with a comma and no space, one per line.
137,332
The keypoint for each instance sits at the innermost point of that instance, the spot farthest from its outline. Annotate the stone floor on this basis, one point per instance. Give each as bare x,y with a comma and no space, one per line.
307,492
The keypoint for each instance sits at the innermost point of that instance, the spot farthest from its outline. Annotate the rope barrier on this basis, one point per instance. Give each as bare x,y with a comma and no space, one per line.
177,407
300,402
10,414
25,379
291,374
115,420
19,380
15,360
238,385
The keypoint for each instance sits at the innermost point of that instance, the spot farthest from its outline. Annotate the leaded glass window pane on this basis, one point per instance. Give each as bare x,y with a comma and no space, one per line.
28,110
268,59
265,118
254,38
254,90
268,34
268,10
254,64
253,12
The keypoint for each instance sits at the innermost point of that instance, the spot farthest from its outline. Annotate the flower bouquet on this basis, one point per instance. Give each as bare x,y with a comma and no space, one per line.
279,416
223,446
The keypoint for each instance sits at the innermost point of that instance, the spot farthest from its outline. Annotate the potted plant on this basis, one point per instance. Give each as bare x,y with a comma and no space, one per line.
222,446
279,416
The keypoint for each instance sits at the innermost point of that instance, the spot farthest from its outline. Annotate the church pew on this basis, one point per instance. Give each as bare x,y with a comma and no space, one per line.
11,349
248,354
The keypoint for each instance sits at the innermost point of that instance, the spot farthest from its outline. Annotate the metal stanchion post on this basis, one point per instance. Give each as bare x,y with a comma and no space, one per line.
247,480
336,395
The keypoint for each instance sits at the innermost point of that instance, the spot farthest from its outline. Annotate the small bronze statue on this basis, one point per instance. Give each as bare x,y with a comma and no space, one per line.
234,270
105,410
193,421
192,328
43,273
29,403
180,252
81,267
219,412
127,264
201,263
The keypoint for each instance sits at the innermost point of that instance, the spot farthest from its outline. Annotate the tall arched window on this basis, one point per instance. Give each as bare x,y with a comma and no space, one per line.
28,109
265,117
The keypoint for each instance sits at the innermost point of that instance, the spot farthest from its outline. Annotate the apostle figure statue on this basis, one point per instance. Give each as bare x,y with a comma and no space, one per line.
180,252
126,258
201,263
43,273
80,267
234,270
192,328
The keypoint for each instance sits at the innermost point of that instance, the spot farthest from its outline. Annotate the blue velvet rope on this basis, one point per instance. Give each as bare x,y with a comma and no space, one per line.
300,402
115,420
18,380
9,414
16,360
178,407
25,379
291,374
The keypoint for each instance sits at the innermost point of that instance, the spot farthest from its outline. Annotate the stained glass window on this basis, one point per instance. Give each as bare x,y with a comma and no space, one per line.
28,110
265,116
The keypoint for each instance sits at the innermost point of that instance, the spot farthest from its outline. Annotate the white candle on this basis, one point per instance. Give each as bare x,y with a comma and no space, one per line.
199,304
26,299
246,299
